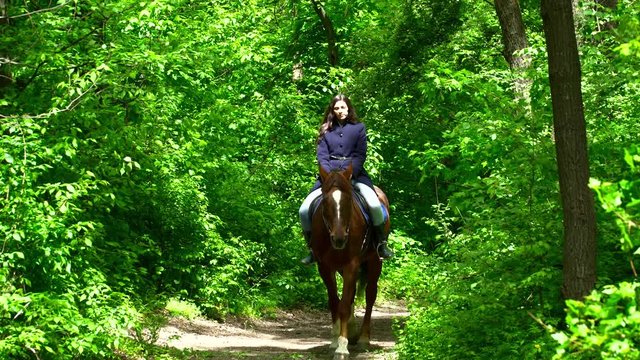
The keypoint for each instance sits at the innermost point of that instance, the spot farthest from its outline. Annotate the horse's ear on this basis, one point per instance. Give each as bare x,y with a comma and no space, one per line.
323,173
348,172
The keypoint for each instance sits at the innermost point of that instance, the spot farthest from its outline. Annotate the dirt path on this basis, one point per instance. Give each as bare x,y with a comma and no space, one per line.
288,335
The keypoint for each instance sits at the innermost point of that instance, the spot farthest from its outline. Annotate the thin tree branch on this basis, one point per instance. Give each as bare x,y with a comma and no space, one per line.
35,12
33,76
328,28
69,107
4,60
21,312
540,322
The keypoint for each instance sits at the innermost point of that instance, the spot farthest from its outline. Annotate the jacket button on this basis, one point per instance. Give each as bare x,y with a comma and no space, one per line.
340,134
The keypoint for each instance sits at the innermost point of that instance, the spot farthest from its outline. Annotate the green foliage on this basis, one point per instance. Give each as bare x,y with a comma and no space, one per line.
145,333
496,266
475,284
106,183
606,324
622,200
150,150
89,323
159,150
56,302
403,273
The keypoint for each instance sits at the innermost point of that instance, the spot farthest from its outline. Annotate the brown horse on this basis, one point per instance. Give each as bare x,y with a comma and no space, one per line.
340,244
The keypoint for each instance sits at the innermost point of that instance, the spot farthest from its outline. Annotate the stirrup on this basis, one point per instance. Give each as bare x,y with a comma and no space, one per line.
383,251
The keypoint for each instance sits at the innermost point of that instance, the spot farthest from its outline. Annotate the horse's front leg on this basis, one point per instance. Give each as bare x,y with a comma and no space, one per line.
329,279
349,277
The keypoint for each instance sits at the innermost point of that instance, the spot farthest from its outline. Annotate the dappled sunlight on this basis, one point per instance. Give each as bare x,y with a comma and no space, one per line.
289,332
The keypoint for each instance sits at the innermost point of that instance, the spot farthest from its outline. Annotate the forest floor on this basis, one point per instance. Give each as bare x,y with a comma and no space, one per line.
299,334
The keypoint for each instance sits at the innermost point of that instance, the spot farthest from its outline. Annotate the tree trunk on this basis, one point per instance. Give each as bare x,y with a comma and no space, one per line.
608,3
611,4
5,62
579,254
328,28
3,12
514,39
513,35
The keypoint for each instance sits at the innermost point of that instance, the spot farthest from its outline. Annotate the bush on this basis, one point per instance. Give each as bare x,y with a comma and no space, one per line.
607,323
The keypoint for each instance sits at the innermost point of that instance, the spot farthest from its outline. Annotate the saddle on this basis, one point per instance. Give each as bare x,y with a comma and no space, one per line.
362,205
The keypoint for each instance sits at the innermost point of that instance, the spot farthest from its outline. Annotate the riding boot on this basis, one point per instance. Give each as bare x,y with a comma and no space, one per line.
383,250
310,259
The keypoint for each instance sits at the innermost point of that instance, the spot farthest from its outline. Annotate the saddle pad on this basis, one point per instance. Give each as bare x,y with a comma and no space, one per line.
362,205
364,208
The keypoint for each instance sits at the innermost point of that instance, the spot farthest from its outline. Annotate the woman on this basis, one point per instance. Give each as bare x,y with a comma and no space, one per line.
342,139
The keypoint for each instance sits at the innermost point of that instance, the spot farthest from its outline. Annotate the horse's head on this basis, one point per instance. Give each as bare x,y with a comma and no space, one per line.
337,204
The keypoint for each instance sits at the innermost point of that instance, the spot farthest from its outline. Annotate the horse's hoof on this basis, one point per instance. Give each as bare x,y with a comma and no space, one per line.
364,342
342,352
337,356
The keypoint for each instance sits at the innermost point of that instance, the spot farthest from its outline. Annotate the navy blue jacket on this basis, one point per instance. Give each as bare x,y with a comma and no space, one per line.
344,141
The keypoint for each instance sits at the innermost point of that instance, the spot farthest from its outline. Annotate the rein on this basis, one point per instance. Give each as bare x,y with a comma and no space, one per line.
337,180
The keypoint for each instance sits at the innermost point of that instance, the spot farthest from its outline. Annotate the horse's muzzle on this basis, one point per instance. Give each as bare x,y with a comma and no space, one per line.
339,242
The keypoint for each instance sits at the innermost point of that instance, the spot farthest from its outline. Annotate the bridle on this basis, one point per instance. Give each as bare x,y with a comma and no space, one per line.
327,223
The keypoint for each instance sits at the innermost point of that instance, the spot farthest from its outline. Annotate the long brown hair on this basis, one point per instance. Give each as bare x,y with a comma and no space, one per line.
330,116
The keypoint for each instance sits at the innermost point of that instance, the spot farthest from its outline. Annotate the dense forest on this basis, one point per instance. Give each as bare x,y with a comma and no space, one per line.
156,152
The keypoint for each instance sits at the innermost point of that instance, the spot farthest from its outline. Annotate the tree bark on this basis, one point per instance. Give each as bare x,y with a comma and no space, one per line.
3,12
579,253
5,65
608,3
514,39
513,34
331,34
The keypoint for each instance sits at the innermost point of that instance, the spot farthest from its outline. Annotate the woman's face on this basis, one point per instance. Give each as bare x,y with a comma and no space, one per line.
341,110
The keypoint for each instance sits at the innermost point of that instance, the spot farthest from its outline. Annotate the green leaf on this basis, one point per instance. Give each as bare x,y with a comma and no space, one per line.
628,158
560,337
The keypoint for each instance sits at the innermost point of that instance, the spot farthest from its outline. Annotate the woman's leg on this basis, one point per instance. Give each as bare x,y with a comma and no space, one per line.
375,206
377,218
305,223
305,219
